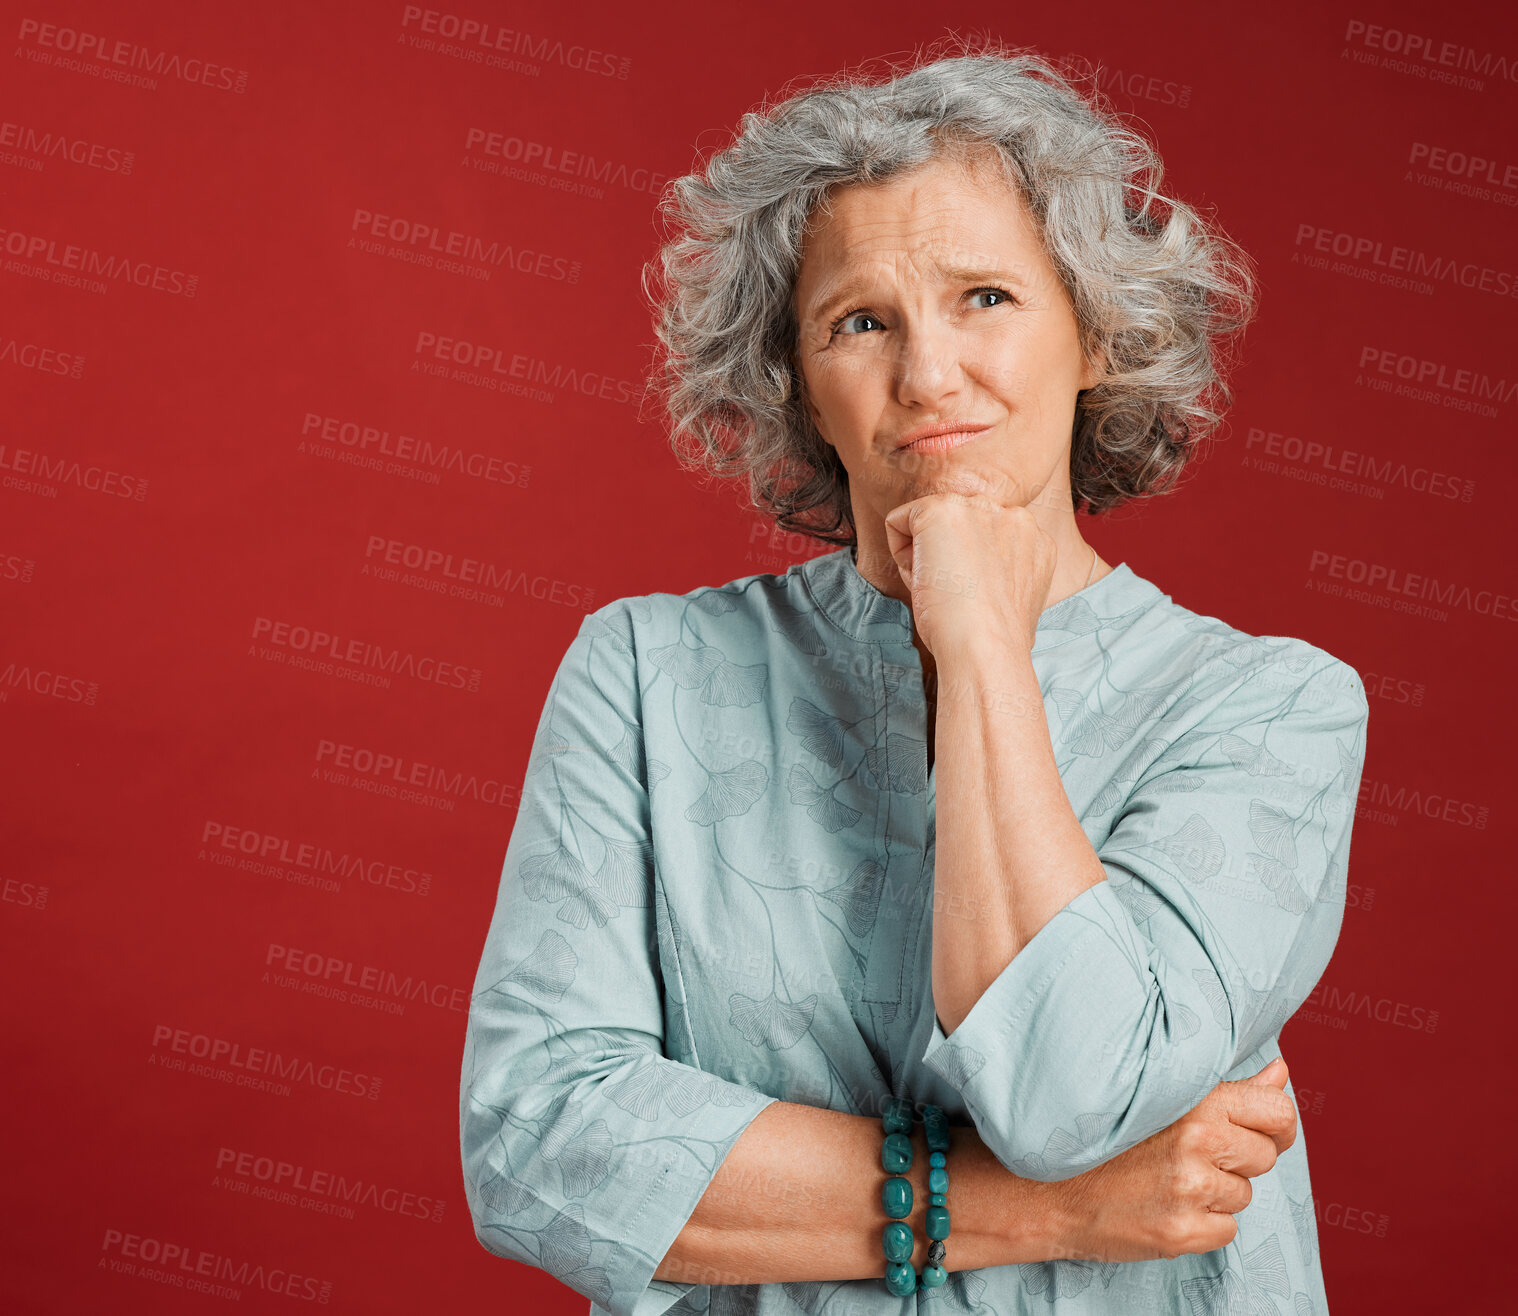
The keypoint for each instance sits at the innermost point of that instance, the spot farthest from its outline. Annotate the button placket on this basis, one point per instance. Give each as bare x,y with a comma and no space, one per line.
898,923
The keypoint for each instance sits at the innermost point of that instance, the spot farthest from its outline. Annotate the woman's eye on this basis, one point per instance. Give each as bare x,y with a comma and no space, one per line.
992,292
838,324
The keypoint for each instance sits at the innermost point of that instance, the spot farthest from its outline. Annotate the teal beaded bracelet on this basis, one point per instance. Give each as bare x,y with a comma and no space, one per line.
896,1196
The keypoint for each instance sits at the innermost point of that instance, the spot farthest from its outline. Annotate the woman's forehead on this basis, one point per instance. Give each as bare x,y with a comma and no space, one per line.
917,238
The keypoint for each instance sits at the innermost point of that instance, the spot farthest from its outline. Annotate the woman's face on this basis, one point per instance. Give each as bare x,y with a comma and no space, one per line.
926,299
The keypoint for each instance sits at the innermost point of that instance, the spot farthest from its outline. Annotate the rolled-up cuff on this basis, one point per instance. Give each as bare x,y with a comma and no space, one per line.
1056,1025
676,1186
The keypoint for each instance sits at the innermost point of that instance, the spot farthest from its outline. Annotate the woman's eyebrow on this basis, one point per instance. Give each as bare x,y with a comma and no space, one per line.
852,285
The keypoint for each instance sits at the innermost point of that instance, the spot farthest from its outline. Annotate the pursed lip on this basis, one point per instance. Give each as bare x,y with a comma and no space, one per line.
959,427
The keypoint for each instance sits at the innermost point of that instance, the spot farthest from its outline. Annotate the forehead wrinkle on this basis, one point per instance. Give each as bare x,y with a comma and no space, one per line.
854,280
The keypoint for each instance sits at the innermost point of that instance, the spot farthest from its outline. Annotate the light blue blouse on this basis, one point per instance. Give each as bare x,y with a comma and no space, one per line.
719,893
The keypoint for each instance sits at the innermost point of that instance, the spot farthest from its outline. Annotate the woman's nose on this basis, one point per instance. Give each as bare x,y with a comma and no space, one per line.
927,364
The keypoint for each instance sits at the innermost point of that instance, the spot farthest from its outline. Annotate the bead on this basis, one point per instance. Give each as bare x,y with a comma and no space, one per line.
937,1224
896,1153
938,1180
896,1239
896,1197
936,1125
938,1199
896,1117
938,1158
936,1251
933,1276
900,1278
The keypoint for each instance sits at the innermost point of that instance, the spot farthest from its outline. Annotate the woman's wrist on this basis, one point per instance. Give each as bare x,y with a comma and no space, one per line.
992,672
1000,1219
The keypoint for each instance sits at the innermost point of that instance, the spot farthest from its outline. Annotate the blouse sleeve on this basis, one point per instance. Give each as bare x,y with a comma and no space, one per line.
1226,877
585,1148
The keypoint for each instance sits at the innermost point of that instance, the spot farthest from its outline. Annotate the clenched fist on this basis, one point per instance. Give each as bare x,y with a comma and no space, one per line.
1178,1191
978,567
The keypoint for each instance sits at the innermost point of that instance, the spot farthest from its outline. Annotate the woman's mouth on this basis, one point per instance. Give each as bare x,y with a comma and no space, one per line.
942,442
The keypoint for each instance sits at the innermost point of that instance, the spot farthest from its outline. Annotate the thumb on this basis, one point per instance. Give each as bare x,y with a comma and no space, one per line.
900,517
899,538
1273,1073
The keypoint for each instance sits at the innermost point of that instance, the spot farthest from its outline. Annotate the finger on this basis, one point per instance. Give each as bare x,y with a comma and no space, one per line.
1228,1192
1273,1073
898,521
1264,1107
899,531
1210,1230
1247,1152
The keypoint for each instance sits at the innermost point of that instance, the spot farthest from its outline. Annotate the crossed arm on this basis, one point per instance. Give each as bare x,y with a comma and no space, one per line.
798,1197
1098,995
792,1199
590,1153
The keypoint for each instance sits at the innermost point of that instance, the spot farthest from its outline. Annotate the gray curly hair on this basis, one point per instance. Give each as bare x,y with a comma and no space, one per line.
1158,294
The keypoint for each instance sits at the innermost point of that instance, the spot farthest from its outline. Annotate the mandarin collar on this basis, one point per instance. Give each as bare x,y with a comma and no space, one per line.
861,610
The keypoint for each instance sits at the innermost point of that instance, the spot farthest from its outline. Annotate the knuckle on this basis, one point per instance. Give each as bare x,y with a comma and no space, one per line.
1220,1098
1231,1150
1199,1237
1190,1181
1192,1137
1175,1234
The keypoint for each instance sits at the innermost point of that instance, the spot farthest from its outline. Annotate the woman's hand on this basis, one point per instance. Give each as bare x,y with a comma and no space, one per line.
1176,1192
977,564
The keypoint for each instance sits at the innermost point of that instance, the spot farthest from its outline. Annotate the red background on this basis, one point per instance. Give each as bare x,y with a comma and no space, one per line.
172,505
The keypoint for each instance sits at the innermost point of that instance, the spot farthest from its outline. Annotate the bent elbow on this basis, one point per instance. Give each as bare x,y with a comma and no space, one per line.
492,1198
1139,1082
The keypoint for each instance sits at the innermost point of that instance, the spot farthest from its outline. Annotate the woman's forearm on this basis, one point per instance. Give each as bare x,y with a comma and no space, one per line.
798,1198
1010,851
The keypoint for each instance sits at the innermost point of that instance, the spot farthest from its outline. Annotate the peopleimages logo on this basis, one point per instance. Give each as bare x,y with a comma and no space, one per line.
1429,57
1464,165
1343,1003
57,144
111,58
239,1064
76,266
354,443
490,43
1403,585
572,170
337,974
1379,473
492,366
279,1180
1428,373
197,1270
296,645
307,862
409,779
461,576
48,469
1396,265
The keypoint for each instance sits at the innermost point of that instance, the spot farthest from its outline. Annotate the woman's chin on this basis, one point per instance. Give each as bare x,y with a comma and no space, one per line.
969,478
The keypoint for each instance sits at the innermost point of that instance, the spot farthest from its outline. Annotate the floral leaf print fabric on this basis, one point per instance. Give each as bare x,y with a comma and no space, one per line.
585,1147
718,893
1226,872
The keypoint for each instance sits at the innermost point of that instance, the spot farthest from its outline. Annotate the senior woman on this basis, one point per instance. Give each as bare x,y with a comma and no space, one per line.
956,821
